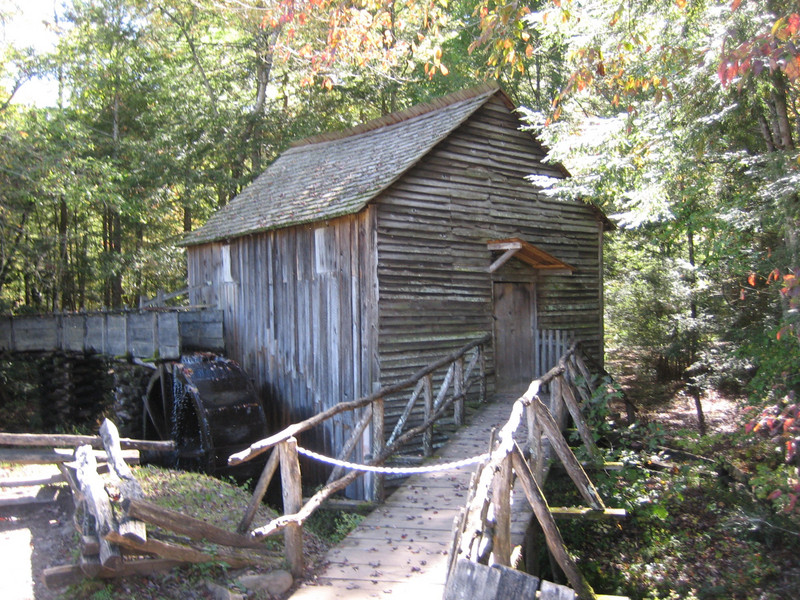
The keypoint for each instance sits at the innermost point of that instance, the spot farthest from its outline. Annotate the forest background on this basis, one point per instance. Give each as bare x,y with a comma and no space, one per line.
679,118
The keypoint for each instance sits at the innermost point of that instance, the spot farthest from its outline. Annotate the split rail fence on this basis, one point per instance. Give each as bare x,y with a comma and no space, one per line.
112,512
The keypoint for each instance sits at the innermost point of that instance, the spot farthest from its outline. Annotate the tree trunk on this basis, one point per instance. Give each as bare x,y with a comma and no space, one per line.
782,111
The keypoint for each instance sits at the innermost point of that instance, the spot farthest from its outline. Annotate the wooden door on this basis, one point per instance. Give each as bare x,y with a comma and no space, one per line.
514,326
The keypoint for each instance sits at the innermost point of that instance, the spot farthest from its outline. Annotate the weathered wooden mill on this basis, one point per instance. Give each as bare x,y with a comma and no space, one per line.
361,256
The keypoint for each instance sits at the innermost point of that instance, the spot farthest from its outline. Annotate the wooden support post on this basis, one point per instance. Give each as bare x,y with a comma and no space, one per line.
501,498
574,375
577,417
555,542
401,422
427,436
292,502
129,488
235,558
557,402
458,392
482,382
378,413
538,446
258,493
195,529
571,464
97,503
584,371
350,445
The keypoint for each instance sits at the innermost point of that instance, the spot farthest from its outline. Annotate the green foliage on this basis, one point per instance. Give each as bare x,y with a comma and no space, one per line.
685,536
332,525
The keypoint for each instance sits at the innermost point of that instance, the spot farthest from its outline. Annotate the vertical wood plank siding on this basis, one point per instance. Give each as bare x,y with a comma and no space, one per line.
433,226
293,318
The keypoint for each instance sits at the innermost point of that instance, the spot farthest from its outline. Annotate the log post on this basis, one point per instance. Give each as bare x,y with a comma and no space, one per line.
378,407
292,502
482,382
501,498
427,436
580,423
97,503
129,488
571,464
458,392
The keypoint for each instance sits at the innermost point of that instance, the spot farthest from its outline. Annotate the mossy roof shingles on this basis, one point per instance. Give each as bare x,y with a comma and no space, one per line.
338,174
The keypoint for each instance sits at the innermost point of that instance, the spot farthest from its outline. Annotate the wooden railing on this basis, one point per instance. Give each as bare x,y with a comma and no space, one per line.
483,533
461,369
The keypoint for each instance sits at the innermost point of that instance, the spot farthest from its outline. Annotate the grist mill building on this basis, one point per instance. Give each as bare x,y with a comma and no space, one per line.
360,256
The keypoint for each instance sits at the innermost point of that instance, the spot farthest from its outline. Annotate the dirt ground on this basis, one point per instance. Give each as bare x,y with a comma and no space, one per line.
33,537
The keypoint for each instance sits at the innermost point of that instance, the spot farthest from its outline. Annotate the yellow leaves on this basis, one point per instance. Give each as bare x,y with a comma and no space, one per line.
681,4
529,53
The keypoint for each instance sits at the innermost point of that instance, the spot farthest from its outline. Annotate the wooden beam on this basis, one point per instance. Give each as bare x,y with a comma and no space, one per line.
66,440
582,512
190,527
555,542
234,558
63,575
267,473
504,258
127,484
565,454
55,456
98,504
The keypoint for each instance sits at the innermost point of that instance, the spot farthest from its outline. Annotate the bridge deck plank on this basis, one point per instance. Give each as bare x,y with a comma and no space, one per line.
400,549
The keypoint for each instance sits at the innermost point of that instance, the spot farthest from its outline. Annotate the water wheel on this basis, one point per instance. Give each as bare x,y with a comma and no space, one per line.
207,405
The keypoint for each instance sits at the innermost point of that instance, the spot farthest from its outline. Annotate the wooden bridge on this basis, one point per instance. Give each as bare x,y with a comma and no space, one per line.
457,529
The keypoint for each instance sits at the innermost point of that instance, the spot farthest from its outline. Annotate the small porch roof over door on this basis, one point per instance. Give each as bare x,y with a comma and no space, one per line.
527,253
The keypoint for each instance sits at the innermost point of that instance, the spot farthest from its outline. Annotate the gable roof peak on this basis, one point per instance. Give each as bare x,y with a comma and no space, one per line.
406,114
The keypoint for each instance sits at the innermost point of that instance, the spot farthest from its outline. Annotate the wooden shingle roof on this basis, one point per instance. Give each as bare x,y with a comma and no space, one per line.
337,174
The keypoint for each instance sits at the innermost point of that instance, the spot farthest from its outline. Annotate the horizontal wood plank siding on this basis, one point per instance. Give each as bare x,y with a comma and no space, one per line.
433,226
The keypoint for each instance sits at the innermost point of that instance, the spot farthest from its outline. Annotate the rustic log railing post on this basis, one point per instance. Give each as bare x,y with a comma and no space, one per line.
378,408
292,502
555,542
580,423
98,504
258,493
427,436
501,498
482,380
458,392
564,452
